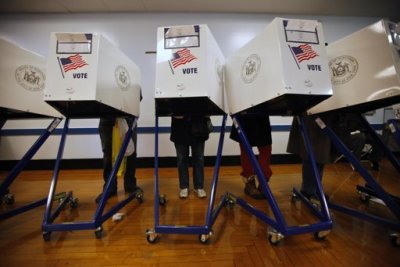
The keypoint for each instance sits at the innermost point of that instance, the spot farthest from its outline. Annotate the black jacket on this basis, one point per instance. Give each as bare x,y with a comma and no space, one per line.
256,128
188,130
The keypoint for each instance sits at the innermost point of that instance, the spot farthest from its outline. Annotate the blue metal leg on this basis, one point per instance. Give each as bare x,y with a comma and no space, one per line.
373,184
311,157
279,223
19,167
211,213
211,217
98,217
386,150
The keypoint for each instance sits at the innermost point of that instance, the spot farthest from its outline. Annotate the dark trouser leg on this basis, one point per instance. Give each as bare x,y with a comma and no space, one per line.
309,185
182,155
130,172
198,164
105,131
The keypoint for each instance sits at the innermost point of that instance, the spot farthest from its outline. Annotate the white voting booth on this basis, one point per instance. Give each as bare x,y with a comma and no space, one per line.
23,78
365,69
189,81
282,70
90,77
189,72
22,75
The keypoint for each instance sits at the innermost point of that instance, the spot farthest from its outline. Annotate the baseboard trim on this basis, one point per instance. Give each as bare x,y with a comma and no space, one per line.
145,162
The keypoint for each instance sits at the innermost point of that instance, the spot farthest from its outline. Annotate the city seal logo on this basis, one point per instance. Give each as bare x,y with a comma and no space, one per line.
251,68
30,78
343,69
122,78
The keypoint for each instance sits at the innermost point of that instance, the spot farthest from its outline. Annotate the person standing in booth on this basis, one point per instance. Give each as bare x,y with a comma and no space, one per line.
106,125
190,132
258,132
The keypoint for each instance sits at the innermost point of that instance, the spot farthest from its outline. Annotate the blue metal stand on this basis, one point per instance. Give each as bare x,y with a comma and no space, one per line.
389,201
204,231
48,226
279,225
17,170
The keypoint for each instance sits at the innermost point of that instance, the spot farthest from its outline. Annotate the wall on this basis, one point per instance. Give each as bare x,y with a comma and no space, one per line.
135,33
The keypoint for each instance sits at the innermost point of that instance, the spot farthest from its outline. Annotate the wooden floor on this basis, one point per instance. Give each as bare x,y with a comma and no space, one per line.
239,238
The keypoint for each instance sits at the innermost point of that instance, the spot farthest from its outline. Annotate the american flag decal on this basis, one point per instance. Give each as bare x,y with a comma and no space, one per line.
72,62
303,52
182,57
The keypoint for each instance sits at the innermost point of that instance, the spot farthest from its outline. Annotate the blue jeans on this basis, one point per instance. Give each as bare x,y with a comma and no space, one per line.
182,154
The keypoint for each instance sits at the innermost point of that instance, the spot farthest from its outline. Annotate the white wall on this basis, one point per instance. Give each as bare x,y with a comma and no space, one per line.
135,34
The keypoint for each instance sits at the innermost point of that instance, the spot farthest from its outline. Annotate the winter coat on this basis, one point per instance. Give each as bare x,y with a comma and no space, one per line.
256,128
188,130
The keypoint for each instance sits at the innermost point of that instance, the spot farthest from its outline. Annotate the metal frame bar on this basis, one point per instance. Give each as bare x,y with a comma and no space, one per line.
390,202
20,166
279,223
211,213
99,216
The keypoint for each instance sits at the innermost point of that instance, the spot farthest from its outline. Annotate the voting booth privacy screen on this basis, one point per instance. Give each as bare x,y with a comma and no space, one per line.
189,71
89,77
365,69
23,78
282,70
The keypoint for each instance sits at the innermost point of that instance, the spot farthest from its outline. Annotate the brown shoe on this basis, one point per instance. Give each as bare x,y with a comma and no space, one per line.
251,189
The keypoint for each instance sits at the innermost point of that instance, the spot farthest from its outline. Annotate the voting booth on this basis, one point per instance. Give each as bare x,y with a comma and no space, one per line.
189,71
282,70
23,78
365,69
90,77
190,82
365,72
22,75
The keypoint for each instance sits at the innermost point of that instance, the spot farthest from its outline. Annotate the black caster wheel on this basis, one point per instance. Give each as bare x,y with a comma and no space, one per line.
46,236
230,204
73,203
151,236
204,238
139,196
394,239
274,237
364,197
321,235
9,199
162,199
294,198
99,232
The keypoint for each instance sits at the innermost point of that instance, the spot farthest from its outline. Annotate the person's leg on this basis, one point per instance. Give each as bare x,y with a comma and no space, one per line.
198,164
130,172
182,157
376,152
357,143
248,175
105,132
309,185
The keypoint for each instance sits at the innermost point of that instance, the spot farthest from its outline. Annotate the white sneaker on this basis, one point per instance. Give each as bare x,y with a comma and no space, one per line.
200,193
184,193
